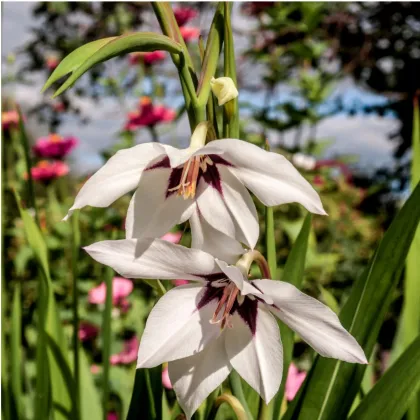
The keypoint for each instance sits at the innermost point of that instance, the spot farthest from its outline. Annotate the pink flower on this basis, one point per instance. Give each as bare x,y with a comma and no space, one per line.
87,331
179,282
128,354
148,115
54,146
184,15
121,288
148,58
95,369
46,171
52,62
188,33
9,119
166,382
294,381
112,416
173,237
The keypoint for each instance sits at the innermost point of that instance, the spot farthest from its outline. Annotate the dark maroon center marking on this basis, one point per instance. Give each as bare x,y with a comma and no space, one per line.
248,310
211,176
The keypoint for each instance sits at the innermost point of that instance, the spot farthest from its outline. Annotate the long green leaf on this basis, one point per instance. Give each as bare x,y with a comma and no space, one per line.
16,351
146,400
211,55
409,326
331,385
391,396
90,399
50,320
230,110
141,41
292,273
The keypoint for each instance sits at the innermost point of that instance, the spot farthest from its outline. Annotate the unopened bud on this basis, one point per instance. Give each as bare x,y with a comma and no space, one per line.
224,89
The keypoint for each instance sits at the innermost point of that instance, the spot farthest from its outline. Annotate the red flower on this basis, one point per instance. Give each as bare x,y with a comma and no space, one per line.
148,58
54,146
184,15
46,171
189,34
87,331
148,115
9,119
129,353
52,63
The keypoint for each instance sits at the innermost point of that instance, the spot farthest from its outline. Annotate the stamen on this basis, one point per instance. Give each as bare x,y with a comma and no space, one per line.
230,294
189,176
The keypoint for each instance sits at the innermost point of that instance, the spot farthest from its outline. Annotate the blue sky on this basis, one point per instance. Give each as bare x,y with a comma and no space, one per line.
362,135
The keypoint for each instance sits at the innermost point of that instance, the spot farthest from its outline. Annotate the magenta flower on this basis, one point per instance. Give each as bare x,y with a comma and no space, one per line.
148,58
148,115
52,62
46,171
112,416
128,354
166,382
54,146
173,237
189,34
121,288
294,381
184,15
9,119
87,331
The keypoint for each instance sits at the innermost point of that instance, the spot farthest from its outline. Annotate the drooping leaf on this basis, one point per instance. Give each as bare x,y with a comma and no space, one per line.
331,385
141,41
76,59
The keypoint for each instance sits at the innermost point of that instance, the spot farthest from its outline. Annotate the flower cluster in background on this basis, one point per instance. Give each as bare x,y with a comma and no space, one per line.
148,115
52,150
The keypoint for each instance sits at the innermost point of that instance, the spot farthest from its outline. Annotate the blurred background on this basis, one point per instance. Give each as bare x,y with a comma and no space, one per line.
330,85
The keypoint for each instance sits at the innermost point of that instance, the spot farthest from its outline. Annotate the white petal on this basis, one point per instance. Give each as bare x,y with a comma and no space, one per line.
318,325
270,176
195,377
151,213
241,206
257,358
176,328
212,241
179,156
235,275
153,258
213,209
117,177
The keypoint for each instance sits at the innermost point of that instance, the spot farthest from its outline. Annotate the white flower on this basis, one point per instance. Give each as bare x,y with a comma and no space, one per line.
221,322
224,89
206,184
304,161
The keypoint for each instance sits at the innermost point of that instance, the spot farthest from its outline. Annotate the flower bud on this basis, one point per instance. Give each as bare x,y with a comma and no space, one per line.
224,89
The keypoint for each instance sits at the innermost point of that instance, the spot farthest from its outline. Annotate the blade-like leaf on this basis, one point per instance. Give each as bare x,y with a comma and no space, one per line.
409,326
390,397
146,400
293,273
141,41
50,323
331,385
75,59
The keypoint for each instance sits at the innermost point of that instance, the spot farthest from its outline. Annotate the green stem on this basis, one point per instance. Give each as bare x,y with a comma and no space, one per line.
25,144
237,391
106,334
75,307
270,241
